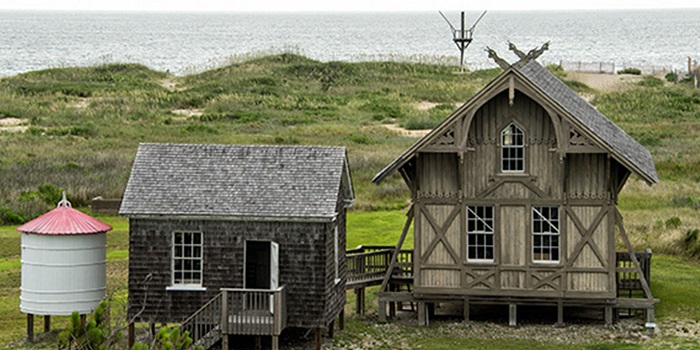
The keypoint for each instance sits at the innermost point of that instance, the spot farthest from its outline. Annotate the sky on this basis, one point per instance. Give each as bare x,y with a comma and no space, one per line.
337,5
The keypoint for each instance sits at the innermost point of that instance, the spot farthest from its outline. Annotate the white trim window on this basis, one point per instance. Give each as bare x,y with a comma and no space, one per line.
187,258
512,149
545,234
480,233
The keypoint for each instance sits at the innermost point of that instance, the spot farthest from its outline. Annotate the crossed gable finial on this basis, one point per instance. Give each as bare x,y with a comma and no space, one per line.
524,57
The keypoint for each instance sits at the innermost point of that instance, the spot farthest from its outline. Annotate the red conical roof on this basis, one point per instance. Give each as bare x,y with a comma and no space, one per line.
64,220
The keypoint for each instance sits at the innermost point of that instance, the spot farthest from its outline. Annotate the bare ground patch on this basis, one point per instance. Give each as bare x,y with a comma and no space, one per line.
406,132
13,125
605,82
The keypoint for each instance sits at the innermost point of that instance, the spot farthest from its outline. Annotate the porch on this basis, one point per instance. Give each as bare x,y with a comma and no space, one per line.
239,311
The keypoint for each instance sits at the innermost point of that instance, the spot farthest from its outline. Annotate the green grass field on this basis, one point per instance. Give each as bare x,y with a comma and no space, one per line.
674,281
82,127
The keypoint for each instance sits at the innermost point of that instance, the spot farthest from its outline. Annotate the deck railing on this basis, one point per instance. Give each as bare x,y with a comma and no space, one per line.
256,311
627,275
368,264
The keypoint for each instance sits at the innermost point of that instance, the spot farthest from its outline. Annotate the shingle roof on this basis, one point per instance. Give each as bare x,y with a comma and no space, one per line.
622,147
236,181
618,141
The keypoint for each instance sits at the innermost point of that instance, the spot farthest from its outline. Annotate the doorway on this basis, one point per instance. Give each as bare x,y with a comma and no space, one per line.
261,265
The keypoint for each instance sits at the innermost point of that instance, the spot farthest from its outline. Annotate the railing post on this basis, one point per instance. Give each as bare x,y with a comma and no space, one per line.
276,316
224,320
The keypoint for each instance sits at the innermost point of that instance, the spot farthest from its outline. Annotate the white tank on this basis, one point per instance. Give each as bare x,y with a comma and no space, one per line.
62,273
63,263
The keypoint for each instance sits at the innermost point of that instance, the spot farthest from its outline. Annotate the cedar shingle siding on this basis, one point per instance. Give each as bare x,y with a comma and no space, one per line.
291,195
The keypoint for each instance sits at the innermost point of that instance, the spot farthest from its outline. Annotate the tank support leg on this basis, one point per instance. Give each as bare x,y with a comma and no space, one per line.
47,323
30,328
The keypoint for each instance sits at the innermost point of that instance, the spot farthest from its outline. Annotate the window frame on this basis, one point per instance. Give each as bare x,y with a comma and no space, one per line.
336,252
551,223
508,146
178,283
484,233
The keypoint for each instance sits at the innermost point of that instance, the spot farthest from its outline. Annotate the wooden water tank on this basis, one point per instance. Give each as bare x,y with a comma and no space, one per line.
63,262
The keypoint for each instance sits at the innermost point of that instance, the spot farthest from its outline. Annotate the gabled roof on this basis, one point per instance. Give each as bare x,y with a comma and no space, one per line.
64,220
248,181
578,111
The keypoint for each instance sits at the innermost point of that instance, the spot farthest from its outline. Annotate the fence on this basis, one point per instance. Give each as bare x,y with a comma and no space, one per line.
610,67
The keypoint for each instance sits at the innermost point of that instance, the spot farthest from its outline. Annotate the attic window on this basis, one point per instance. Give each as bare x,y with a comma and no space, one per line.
512,149
187,258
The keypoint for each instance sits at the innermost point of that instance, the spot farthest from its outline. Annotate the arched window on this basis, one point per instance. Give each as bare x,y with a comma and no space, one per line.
512,149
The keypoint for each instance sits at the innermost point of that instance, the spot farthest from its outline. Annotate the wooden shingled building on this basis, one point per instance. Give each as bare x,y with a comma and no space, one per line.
232,239
514,201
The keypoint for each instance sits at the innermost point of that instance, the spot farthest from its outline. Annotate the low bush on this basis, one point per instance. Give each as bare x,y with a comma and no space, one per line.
673,222
691,245
633,71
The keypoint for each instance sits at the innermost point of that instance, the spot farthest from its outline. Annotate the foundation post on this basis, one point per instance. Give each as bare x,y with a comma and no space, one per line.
512,315
560,313
466,309
131,336
608,316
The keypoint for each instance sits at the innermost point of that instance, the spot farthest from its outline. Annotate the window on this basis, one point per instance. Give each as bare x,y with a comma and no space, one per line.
545,234
480,233
187,258
512,149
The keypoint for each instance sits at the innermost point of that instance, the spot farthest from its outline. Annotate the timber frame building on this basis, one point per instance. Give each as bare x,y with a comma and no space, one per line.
514,200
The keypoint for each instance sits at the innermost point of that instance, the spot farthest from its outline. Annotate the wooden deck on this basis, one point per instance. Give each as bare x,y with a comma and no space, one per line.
368,266
240,312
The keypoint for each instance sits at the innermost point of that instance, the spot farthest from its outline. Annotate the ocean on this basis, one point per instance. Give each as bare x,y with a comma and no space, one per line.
185,43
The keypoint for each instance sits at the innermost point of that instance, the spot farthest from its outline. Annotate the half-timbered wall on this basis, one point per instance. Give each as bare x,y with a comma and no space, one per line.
463,167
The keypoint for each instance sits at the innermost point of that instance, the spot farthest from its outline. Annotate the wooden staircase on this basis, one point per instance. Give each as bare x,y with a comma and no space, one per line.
238,311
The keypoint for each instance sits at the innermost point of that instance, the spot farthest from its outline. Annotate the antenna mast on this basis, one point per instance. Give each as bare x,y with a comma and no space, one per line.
462,37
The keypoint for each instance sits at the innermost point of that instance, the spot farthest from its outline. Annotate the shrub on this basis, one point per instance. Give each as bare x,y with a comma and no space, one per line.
48,193
634,71
9,217
362,139
691,245
673,222
649,81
